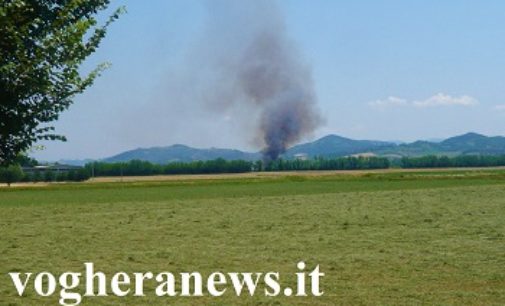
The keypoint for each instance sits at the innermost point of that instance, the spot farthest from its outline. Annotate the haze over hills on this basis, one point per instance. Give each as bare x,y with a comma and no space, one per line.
327,146
181,153
330,146
470,143
333,146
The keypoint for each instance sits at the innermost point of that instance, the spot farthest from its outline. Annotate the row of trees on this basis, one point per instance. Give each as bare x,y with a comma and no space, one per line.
342,163
137,167
14,174
56,176
432,161
11,174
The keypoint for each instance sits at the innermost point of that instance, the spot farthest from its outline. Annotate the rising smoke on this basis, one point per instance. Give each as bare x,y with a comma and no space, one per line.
257,67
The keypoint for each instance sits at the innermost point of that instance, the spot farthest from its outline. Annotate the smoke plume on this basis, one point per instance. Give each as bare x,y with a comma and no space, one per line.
255,66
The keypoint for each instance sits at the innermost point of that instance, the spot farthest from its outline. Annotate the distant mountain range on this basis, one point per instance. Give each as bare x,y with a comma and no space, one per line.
181,153
334,146
467,144
328,146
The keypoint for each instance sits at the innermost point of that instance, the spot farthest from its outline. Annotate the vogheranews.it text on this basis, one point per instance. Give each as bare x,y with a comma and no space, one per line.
69,287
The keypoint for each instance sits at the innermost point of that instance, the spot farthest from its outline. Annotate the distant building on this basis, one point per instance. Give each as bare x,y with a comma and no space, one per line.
365,155
301,156
53,168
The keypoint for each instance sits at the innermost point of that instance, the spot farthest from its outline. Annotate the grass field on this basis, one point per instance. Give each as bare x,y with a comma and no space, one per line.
381,238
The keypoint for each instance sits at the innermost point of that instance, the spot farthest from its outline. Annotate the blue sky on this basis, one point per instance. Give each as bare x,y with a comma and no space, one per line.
386,70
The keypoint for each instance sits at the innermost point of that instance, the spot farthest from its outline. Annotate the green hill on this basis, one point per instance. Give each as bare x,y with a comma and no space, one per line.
181,153
333,146
470,143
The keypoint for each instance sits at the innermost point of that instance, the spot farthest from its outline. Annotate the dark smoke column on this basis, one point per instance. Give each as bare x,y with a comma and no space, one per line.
285,122
275,79
257,67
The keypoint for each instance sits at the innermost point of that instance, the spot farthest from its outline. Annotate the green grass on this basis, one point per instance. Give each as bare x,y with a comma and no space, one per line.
423,238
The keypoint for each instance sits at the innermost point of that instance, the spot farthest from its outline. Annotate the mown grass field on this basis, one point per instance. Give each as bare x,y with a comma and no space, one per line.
401,238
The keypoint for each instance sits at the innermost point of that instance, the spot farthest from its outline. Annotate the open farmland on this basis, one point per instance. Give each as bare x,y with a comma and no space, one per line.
381,238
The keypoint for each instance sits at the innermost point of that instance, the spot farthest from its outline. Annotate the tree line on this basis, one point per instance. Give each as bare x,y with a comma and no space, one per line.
137,167
14,173
432,161
141,168
320,163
